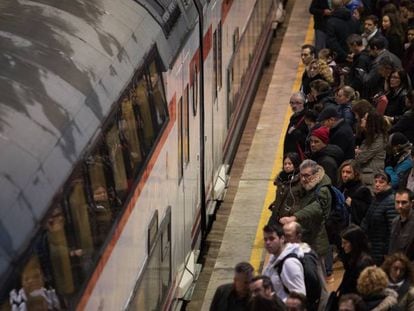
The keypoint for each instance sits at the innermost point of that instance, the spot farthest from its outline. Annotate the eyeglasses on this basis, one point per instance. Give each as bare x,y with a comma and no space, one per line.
305,176
294,102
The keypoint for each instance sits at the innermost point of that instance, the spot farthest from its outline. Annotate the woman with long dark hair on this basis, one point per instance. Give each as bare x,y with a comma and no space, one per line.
397,86
373,130
405,123
355,258
288,189
394,33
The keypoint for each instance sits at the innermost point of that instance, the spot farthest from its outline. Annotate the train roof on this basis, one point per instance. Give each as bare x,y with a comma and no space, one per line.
63,65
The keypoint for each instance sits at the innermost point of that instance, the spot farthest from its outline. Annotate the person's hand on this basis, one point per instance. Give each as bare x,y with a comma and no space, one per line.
327,12
357,151
286,220
348,201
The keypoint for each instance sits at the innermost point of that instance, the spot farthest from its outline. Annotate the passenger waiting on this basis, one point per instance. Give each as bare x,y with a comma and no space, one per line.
357,196
288,189
400,272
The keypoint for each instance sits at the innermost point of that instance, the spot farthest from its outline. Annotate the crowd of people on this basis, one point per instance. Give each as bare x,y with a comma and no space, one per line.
345,191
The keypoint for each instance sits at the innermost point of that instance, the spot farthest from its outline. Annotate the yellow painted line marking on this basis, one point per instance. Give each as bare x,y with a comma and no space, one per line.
258,246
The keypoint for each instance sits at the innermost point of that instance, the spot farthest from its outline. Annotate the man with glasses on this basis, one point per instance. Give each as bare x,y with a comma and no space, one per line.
402,229
315,206
297,130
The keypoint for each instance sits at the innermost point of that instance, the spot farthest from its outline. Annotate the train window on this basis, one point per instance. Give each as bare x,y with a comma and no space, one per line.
116,153
219,55
31,292
140,98
186,126
157,92
128,128
103,203
180,139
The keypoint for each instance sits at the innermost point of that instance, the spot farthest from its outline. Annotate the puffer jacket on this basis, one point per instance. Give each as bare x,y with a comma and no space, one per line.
378,222
288,192
315,207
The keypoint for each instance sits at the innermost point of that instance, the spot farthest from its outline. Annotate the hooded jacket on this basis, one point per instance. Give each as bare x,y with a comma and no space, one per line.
315,206
361,199
329,158
292,273
339,27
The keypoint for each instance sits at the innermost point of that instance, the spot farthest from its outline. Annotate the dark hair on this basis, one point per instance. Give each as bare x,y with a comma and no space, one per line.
396,28
294,158
274,228
354,39
245,268
355,167
380,43
260,303
357,301
312,115
372,18
310,47
409,268
359,242
267,282
376,125
410,98
402,74
300,297
405,191
386,62
320,85
389,8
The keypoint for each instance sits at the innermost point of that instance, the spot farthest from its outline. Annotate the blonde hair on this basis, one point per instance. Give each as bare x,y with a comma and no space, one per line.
372,280
350,93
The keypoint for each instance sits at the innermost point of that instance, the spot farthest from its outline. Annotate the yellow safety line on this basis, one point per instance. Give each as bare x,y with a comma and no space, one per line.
258,246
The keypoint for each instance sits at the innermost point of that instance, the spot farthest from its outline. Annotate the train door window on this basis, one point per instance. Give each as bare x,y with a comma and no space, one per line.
180,139
158,96
152,288
103,205
215,65
116,155
140,98
128,128
186,126
219,56
194,88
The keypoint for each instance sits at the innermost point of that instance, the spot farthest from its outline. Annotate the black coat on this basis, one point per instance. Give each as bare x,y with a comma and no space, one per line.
352,272
342,135
354,79
339,27
361,199
296,139
405,125
225,299
329,158
396,102
316,9
378,222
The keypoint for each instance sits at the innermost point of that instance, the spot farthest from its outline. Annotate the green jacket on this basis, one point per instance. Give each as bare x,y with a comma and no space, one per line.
314,210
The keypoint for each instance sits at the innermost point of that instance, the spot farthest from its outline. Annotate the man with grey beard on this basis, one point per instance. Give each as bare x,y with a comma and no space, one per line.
315,206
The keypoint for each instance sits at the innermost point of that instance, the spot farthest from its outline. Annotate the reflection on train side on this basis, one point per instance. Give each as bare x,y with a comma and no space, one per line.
63,255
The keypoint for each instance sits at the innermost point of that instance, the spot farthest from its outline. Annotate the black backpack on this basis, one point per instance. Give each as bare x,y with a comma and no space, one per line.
338,217
313,283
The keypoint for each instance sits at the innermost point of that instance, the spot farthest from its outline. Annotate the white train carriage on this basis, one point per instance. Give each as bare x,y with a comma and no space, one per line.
116,121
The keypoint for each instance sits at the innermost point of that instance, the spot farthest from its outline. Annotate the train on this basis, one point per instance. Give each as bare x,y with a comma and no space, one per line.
119,122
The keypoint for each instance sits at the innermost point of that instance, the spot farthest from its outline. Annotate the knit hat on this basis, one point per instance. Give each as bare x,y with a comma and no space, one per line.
382,174
398,138
327,113
322,133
